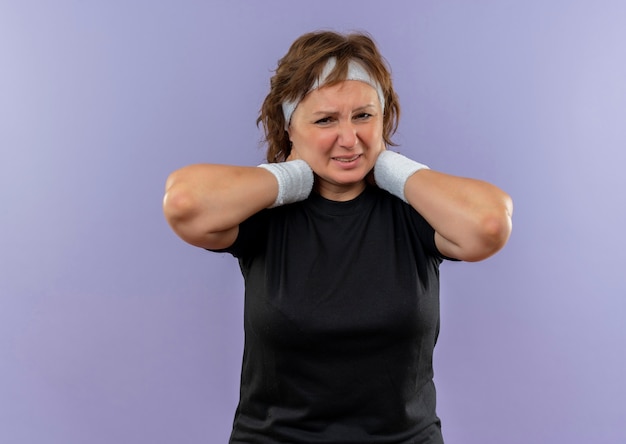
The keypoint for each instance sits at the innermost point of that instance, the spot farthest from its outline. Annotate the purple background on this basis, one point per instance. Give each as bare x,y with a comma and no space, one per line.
114,331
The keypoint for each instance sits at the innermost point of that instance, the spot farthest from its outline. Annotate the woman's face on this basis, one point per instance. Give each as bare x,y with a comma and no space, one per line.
338,131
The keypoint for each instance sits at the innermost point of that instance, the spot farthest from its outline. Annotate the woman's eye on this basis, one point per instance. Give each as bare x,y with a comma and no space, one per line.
324,121
363,116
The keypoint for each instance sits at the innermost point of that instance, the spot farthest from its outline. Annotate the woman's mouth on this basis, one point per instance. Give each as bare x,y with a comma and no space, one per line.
344,159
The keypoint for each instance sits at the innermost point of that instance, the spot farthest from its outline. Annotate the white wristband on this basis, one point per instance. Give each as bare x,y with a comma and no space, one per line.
392,170
295,180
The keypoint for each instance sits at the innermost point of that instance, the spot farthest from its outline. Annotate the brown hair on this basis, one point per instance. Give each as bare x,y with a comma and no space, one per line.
302,65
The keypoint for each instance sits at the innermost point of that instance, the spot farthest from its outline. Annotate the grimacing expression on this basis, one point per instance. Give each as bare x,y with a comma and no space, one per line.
338,131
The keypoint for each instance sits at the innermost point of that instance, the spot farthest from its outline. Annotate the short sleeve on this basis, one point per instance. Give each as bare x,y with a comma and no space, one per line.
426,233
251,237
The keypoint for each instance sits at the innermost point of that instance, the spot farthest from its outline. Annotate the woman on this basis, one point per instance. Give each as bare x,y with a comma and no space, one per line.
339,241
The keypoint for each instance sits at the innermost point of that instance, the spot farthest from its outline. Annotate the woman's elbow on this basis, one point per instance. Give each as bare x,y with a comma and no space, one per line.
177,202
494,231
497,232
180,204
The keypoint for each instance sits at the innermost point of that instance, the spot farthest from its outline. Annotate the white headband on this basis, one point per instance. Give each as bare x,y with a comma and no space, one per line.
355,72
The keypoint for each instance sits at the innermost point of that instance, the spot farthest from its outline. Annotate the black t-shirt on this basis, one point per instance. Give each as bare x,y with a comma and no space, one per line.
341,318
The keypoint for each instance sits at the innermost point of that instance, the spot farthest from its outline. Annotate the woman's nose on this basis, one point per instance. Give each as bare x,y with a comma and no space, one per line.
347,135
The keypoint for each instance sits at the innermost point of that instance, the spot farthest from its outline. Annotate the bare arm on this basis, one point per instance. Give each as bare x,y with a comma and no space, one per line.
471,218
204,204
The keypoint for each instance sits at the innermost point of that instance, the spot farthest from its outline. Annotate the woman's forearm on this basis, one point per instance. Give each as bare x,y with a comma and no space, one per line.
205,203
472,218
